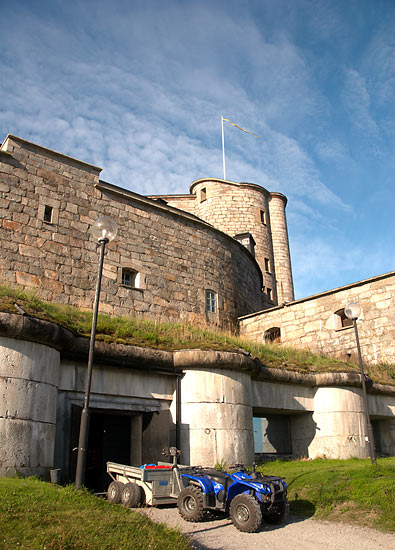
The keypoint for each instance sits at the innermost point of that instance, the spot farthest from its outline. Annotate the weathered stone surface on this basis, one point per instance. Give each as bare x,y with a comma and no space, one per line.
312,322
177,255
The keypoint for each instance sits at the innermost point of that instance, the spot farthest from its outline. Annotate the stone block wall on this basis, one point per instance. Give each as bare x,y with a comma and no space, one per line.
176,255
313,323
235,208
242,209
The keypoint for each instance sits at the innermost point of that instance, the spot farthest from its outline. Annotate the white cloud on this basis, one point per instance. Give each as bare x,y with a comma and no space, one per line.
356,101
138,88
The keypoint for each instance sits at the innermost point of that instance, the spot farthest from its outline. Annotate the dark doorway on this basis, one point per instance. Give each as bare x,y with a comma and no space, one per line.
376,435
109,440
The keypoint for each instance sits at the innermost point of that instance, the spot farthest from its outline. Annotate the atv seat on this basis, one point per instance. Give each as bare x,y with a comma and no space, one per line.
220,477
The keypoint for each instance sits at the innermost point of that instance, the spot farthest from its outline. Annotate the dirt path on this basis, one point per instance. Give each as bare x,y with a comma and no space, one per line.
296,534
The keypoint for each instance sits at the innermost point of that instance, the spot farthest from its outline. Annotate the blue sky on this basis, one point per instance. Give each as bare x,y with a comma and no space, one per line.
138,88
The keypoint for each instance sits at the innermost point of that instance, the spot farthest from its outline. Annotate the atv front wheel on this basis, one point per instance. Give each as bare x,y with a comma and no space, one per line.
246,513
190,504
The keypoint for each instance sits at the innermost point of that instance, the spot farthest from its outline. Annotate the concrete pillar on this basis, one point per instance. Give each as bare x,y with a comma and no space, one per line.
29,374
339,424
282,256
216,418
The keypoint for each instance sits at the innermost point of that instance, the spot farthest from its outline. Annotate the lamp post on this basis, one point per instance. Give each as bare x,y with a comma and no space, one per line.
104,230
353,311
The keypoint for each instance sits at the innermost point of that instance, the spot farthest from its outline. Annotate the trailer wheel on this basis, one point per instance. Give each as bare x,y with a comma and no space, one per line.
114,492
131,495
246,513
190,504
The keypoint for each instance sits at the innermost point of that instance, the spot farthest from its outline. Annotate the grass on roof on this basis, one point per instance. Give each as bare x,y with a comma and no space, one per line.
176,335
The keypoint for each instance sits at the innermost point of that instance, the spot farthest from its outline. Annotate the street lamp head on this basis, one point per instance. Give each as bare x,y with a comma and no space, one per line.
104,229
353,311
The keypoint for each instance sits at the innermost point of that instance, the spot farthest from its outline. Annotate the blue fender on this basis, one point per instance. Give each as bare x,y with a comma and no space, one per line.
205,483
241,486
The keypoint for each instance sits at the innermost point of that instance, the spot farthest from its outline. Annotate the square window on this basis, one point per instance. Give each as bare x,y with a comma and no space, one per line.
129,278
47,216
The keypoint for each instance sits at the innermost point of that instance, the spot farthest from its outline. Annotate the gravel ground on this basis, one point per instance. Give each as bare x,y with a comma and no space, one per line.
296,534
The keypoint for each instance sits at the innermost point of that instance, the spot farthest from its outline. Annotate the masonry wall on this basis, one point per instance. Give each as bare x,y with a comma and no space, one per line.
235,208
312,323
176,255
246,208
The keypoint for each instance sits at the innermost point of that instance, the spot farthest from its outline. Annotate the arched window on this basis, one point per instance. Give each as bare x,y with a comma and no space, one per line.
272,335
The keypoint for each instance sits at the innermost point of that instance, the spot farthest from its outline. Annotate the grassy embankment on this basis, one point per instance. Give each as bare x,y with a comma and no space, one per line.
352,491
38,515
172,336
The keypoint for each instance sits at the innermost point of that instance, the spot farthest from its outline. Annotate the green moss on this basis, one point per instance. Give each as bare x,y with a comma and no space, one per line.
172,336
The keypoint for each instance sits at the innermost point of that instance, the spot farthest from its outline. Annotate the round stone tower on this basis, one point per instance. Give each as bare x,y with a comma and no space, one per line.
243,211
282,257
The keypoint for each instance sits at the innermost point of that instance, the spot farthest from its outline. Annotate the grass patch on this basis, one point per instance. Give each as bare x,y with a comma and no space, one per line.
352,491
172,336
39,515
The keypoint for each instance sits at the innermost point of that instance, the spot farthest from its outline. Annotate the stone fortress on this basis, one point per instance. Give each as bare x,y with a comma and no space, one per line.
219,255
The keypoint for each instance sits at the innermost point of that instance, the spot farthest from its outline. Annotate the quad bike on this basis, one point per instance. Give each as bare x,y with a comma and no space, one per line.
247,497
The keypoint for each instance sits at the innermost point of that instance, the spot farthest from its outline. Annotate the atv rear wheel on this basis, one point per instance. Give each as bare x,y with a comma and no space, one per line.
190,504
246,513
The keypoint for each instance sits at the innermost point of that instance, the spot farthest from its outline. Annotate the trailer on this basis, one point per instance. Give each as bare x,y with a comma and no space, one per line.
150,484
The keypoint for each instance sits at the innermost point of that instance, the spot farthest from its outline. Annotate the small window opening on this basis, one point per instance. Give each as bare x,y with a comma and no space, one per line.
344,320
129,278
272,335
48,213
263,217
210,301
247,240
267,265
203,195
269,294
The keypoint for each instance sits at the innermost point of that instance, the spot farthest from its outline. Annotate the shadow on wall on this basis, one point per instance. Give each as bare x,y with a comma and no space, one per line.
284,434
303,431
184,457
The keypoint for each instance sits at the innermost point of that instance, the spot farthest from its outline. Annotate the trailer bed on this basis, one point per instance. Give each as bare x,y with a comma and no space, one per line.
160,483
